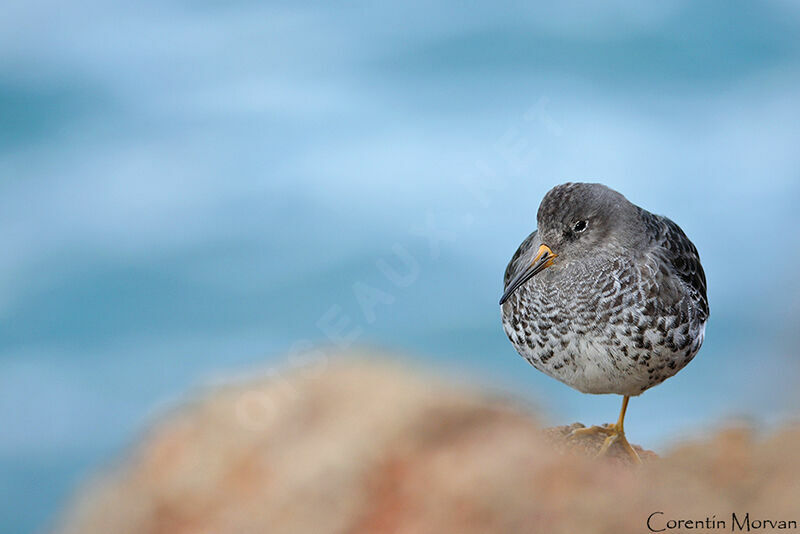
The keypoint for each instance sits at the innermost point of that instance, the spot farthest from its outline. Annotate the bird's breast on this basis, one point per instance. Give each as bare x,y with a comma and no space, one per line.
601,329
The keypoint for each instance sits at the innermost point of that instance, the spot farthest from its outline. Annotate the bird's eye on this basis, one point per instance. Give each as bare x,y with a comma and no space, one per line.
580,226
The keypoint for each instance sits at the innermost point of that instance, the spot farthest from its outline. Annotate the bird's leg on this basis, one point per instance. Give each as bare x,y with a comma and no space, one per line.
614,433
617,433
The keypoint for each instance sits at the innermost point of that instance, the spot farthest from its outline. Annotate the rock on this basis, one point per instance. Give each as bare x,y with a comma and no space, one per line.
559,438
362,447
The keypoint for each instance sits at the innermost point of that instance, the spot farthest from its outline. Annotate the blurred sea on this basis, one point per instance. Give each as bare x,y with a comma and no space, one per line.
192,189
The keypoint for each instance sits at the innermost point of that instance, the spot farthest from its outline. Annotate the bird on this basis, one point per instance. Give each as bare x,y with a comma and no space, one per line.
606,297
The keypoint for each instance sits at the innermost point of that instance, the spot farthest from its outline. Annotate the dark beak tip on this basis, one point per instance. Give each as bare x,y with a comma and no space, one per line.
527,274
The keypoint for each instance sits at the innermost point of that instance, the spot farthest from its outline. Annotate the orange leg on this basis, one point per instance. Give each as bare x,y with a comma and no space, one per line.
614,433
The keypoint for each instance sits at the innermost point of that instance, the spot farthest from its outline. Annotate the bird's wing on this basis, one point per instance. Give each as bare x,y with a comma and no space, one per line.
681,254
521,258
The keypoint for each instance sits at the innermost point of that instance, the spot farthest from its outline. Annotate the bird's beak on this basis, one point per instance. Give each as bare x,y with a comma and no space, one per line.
544,259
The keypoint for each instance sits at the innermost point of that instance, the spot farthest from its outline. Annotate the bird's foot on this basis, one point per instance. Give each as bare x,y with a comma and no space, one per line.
614,434
591,431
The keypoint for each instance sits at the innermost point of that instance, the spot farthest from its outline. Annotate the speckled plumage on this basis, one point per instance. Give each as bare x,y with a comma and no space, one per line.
623,305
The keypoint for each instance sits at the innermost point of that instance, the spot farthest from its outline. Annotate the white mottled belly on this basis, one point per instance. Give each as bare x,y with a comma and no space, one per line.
596,334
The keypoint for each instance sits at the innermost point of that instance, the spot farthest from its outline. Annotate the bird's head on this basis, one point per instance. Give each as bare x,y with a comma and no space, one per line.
576,223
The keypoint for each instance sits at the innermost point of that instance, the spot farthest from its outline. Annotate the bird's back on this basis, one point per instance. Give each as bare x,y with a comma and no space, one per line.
678,254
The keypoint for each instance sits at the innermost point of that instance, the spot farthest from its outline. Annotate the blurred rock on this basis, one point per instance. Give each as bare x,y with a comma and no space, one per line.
561,442
364,448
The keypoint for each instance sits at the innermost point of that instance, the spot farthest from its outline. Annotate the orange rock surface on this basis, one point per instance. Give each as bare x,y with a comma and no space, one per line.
363,448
